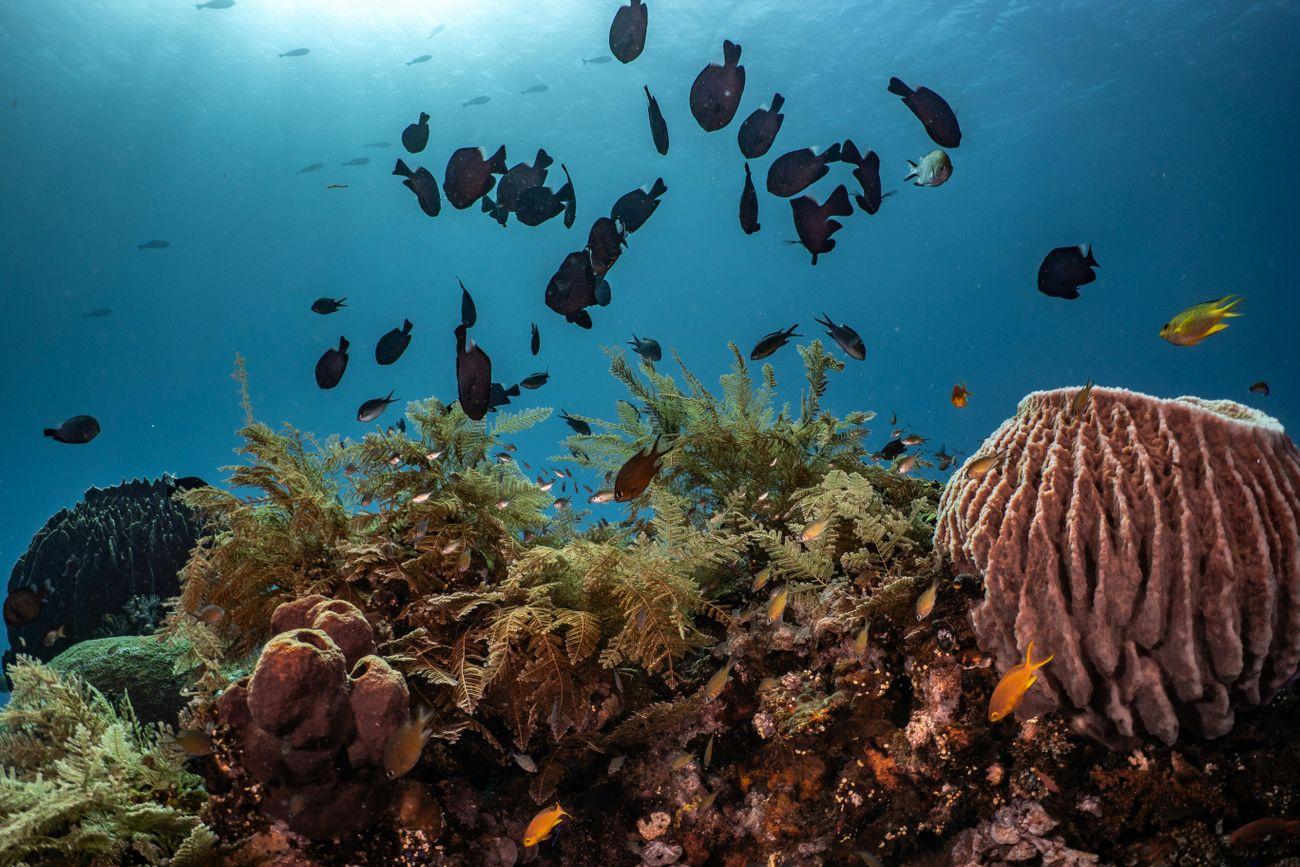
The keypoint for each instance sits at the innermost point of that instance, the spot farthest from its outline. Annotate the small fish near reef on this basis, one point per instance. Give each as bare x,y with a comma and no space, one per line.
646,347
374,408
866,169
1079,402
391,346
981,466
194,742
1260,388
403,750
543,824
960,395
332,364
1262,829
718,682
22,606
54,636
846,338
771,342
76,431
1014,684
925,602
1200,321
636,474
776,606
934,170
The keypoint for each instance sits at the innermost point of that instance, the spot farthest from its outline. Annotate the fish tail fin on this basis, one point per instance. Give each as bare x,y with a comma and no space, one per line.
424,118
402,168
390,397
790,331
833,153
487,204
838,204
498,161
406,326
51,431
658,188
777,101
543,160
747,174
343,344
340,302
897,87
1088,258
513,391
1225,304
888,194
849,152
912,172
730,53
823,320
862,202
646,88
872,159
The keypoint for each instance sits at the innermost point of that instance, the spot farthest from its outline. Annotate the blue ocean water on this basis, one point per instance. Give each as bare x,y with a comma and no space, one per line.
1159,132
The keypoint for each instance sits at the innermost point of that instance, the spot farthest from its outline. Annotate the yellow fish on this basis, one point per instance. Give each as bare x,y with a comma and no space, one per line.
403,749
1080,399
761,578
193,741
925,602
776,607
708,752
543,824
718,682
860,643
814,530
1013,685
1200,321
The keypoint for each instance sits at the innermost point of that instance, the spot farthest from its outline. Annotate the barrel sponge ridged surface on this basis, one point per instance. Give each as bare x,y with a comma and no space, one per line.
1152,545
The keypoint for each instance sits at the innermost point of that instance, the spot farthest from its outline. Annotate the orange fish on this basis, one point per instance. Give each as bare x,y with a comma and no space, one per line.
959,395
635,475
1013,685
543,824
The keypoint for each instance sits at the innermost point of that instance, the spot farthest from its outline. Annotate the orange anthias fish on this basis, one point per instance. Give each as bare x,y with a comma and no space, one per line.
1080,400
959,395
403,749
635,475
1200,321
543,824
1013,685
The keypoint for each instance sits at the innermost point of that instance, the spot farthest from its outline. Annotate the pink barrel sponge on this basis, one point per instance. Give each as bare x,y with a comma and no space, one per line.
1152,545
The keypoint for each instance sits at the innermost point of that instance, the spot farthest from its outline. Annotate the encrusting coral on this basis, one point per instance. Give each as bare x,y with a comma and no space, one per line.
1151,545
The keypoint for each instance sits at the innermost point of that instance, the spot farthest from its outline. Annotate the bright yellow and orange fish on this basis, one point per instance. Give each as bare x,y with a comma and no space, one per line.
776,607
1014,684
1200,321
543,824
959,395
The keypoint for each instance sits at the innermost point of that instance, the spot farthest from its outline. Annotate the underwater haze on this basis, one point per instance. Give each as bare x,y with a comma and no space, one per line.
1158,132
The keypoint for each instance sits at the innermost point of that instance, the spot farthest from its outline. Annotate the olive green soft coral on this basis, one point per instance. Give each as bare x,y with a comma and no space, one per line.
81,783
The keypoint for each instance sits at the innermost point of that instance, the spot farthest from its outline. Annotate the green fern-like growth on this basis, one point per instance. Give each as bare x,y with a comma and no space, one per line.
81,783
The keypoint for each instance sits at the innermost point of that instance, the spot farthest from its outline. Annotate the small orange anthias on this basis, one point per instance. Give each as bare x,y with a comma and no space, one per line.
1013,685
543,824
959,395
635,475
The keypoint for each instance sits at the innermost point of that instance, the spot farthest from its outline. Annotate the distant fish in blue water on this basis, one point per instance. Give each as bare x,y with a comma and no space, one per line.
468,312
771,342
934,170
374,408
330,366
424,185
759,130
393,344
535,344
604,58
635,207
627,32
1065,269
357,161
646,347
1260,388
478,100
605,243
376,144
215,4
155,244
423,58
536,88
97,313
749,205
845,337
577,425
716,91
658,126
866,169
469,175
536,380
325,306
813,224
796,171
314,167
436,30
416,135
932,110
78,430
539,204
336,186
297,52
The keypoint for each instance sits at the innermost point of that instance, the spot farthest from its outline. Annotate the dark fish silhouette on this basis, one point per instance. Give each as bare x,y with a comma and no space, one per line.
604,294
357,161
325,306
215,4
539,204
78,430
627,32
637,474
391,346
633,208
377,144
499,395
749,205
1260,388
314,167
423,184
759,129
469,175
97,313
155,244
330,366
478,100
22,606
297,52
658,126
932,110
573,288
520,178
846,337
867,170
716,92
468,312
604,58
1065,269
374,408
473,376
771,342
792,173
536,380
605,243
813,224
577,425
423,58
336,186
416,135
646,347
893,449
536,88
536,343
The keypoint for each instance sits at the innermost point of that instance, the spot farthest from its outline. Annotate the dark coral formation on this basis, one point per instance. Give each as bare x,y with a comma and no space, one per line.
312,720
1152,545
130,540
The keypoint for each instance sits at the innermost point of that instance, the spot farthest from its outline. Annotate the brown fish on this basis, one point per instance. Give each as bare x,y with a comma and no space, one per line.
196,742
1260,388
605,243
635,475
866,169
1080,400
716,91
403,750
22,606
932,110
425,186
627,32
53,636
1253,832
469,175
633,208
473,376
794,172
812,221
520,178
572,289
